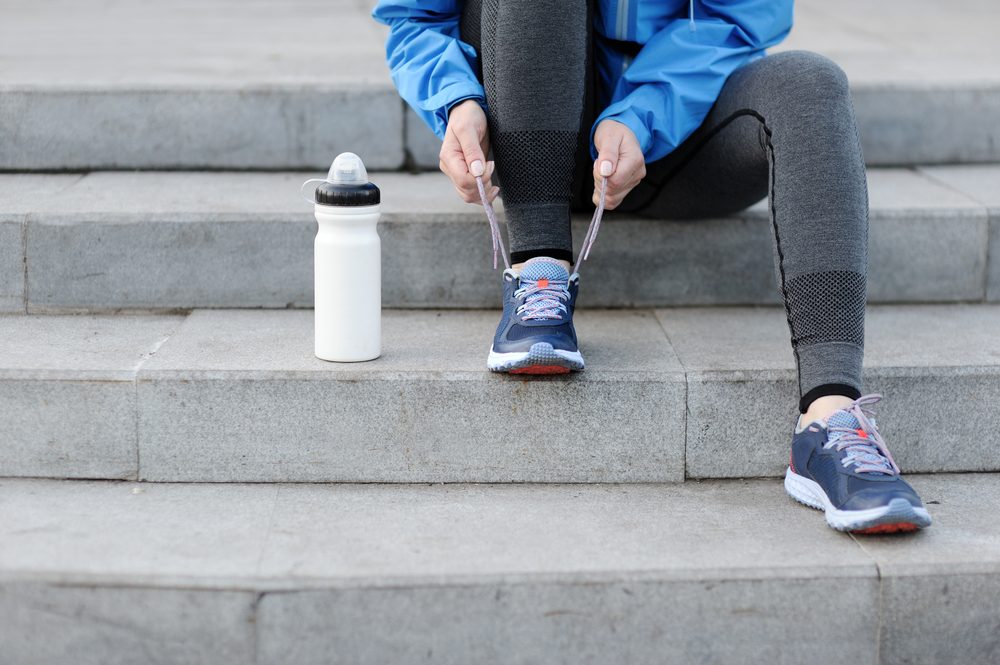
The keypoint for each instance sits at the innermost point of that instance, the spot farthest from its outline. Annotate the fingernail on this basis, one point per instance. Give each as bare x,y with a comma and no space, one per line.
476,168
606,168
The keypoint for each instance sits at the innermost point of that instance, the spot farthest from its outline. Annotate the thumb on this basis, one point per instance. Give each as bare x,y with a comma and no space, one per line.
473,151
607,157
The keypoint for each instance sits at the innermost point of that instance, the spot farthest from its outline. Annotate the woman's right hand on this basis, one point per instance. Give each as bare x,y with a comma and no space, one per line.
463,152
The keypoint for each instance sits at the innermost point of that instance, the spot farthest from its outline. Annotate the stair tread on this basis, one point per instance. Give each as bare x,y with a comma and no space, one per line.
319,536
206,196
441,342
139,45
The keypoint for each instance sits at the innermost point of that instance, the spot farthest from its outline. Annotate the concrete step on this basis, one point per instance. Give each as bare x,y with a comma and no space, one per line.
236,395
223,85
162,240
710,572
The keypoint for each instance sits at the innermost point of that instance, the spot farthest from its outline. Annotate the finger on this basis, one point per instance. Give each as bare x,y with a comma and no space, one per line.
470,192
454,164
470,189
475,160
456,169
629,173
607,157
495,192
467,196
612,202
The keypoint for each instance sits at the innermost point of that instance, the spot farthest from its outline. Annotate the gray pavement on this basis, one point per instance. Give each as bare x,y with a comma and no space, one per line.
717,571
105,241
131,44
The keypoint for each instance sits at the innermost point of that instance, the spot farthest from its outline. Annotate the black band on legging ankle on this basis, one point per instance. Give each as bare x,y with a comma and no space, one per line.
558,254
827,389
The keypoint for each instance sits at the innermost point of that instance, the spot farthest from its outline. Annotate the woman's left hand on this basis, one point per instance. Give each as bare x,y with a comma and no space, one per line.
619,159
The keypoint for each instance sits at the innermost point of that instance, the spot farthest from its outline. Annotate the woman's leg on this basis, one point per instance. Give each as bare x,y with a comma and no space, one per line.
534,68
534,61
784,127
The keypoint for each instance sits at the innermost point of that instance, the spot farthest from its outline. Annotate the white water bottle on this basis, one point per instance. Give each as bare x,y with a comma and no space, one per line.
348,264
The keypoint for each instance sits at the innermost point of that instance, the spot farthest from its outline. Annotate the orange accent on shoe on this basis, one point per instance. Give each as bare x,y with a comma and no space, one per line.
541,369
899,527
863,434
543,283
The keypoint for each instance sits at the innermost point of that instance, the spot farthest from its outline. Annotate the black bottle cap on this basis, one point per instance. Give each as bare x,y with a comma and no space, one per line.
335,194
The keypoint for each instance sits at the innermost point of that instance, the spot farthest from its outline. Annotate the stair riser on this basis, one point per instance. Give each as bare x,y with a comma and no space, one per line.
12,266
898,127
92,264
60,624
290,127
468,428
716,620
270,128
476,429
934,422
626,622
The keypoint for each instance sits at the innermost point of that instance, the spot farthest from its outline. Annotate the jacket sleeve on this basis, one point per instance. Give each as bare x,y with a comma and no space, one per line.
432,69
675,79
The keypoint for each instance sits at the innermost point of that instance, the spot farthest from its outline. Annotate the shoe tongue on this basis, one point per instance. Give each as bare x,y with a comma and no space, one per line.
872,457
543,268
843,419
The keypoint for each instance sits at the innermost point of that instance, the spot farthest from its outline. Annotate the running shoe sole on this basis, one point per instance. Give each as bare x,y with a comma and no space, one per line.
899,515
541,358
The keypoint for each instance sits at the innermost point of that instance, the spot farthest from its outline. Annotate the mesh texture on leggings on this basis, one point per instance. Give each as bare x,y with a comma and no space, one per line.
827,307
529,177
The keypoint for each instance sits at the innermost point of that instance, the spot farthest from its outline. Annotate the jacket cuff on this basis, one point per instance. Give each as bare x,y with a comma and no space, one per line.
440,104
451,105
630,119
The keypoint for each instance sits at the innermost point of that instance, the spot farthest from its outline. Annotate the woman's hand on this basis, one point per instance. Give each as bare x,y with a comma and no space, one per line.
619,159
463,152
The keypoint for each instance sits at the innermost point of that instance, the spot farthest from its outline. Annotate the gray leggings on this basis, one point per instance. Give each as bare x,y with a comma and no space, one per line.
782,127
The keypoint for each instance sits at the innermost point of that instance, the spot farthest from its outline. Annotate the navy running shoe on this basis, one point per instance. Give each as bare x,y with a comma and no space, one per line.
843,468
536,334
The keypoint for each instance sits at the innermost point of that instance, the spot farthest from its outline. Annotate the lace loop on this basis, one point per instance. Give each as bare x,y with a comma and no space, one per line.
498,246
491,215
866,449
543,302
595,224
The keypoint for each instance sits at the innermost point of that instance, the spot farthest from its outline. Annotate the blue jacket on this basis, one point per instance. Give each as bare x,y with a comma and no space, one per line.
687,49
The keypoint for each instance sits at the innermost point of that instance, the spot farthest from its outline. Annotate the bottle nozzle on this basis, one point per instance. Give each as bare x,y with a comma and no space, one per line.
347,169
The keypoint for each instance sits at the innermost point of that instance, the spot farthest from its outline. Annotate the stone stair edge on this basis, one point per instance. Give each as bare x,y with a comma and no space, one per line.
380,83
98,189
294,583
847,558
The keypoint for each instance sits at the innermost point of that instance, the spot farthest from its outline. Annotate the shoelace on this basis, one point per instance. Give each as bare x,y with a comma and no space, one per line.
543,302
865,447
498,246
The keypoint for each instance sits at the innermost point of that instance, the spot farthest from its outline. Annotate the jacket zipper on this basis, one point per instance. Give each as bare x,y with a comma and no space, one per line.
621,21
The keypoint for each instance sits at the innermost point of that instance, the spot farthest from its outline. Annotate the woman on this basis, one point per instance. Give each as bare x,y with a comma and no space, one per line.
666,109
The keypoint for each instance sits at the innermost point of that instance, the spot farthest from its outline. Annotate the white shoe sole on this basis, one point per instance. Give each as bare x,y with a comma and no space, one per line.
541,355
898,512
